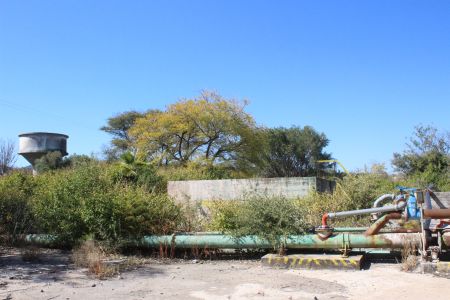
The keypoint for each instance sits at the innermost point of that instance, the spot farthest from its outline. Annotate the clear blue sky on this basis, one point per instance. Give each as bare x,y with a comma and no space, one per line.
363,72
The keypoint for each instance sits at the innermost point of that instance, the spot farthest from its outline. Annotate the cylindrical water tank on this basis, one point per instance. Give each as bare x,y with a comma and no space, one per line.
34,145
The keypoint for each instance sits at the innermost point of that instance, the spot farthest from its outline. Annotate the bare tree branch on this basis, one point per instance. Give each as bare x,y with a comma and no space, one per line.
8,156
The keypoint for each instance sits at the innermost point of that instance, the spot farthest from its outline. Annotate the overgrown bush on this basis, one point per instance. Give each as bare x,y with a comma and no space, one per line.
271,218
86,201
362,189
129,170
16,190
355,191
51,161
143,213
61,197
112,202
267,217
194,217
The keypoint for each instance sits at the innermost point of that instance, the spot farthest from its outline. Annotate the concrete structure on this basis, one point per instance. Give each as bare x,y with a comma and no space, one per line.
235,189
34,145
312,261
438,268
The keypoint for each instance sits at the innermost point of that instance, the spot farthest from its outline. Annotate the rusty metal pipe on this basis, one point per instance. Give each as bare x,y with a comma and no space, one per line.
436,213
381,222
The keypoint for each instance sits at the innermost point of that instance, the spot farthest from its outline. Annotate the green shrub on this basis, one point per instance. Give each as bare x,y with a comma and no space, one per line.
362,189
51,161
86,201
223,215
16,190
60,200
129,170
316,204
194,217
143,213
271,218
354,191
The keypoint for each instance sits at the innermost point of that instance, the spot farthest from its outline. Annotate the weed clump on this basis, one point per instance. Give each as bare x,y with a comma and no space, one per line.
410,260
101,262
269,218
91,256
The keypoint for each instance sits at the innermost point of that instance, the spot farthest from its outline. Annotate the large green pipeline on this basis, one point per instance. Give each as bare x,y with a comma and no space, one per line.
307,241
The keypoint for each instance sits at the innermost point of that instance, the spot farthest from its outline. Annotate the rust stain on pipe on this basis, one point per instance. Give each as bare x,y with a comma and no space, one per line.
376,227
436,213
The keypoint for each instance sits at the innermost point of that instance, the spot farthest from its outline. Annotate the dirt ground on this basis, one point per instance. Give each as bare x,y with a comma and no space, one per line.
54,277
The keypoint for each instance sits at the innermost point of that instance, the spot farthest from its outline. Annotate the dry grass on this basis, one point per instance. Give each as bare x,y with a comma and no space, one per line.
31,254
410,260
91,256
100,263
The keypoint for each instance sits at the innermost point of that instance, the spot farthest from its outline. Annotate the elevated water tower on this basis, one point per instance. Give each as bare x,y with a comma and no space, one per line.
34,145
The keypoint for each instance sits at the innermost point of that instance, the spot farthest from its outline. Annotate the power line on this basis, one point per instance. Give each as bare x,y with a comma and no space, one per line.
34,110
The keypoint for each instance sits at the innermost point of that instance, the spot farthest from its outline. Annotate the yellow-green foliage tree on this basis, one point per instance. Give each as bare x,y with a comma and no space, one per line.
209,128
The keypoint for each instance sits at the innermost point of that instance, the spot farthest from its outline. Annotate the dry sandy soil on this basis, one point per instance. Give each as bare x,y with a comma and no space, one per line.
53,277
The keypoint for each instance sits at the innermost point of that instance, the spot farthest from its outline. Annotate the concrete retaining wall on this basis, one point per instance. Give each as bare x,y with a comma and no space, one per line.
235,189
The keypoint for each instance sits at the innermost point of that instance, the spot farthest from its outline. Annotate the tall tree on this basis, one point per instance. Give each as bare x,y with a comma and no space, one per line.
293,152
427,156
208,127
118,126
8,156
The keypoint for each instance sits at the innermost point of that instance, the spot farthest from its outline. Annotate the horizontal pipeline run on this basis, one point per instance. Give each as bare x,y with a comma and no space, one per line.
307,241
219,241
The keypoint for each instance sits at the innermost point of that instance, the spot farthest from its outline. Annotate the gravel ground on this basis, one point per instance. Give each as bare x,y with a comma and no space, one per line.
53,277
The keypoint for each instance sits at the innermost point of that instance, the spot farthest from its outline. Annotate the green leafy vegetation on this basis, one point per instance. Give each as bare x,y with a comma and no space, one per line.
294,151
118,127
271,218
427,158
208,128
16,216
51,161
208,137
85,201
